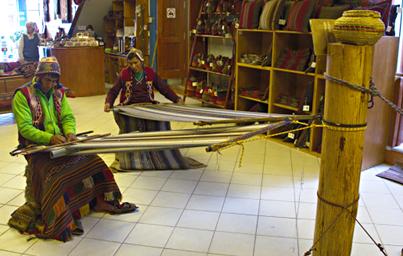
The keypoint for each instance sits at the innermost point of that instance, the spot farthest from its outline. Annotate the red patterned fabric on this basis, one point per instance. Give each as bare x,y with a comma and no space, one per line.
63,189
133,91
294,59
250,14
127,79
298,18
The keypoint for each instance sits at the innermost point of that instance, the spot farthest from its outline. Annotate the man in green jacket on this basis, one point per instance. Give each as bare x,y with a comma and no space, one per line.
55,115
59,191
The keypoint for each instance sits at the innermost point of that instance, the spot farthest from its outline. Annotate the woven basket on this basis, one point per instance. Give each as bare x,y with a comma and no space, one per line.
360,27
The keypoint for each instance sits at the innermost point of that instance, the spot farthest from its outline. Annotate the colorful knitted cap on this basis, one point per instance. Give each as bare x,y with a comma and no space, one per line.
48,65
138,53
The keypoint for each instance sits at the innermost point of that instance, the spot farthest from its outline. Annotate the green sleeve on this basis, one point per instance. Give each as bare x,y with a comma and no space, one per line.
23,117
68,120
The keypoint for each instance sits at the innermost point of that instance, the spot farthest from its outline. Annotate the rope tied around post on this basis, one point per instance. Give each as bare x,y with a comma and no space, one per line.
343,127
343,207
372,91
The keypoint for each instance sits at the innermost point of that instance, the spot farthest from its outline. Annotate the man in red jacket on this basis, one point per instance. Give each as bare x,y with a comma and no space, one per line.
135,85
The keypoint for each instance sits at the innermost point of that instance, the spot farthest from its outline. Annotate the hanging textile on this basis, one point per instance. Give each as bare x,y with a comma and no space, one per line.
46,12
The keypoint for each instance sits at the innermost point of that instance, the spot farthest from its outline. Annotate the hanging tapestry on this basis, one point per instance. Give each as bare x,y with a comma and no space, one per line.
46,10
65,10
58,8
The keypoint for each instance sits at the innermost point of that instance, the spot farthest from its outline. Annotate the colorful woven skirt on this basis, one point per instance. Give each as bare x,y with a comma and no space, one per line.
171,159
62,190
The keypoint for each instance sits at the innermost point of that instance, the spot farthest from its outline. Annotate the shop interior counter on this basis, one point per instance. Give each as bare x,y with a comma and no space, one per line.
82,69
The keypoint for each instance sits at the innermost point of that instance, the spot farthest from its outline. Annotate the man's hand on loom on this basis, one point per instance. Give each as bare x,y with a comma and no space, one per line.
57,139
71,137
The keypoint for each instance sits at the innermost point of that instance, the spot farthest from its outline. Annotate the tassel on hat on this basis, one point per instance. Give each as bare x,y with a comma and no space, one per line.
48,65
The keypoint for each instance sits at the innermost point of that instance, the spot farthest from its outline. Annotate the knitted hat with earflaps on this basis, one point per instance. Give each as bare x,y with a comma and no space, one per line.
137,53
48,65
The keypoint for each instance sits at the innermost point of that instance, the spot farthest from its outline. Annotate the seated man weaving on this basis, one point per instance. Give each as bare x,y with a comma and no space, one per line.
59,191
135,84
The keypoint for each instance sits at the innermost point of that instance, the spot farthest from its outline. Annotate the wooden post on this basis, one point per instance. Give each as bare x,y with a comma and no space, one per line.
341,150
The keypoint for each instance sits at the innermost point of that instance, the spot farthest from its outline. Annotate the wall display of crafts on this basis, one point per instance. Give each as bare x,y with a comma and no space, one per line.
211,58
276,68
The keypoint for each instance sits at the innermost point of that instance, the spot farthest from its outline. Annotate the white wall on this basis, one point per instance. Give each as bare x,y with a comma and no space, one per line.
93,13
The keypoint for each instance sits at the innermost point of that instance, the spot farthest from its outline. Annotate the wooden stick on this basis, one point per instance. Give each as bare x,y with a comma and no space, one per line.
257,119
39,148
266,129
84,133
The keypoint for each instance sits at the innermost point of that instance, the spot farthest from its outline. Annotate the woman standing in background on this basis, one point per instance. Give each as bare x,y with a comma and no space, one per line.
28,47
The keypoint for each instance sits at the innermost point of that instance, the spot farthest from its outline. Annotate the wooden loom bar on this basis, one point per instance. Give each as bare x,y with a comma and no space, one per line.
257,119
41,148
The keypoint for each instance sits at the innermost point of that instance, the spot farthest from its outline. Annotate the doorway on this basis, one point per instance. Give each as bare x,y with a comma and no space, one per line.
172,39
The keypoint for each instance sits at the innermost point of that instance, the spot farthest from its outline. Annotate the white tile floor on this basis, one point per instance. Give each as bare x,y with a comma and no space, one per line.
265,207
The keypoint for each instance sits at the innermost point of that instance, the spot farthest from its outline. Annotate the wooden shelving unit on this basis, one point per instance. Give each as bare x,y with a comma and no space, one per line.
253,99
209,71
254,66
289,91
211,36
121,17
210,103
113,64
283,106
204,82
293,71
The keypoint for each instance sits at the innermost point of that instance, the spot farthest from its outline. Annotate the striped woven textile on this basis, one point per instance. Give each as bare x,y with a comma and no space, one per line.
154,140
63,189
298,18
186,113
170,159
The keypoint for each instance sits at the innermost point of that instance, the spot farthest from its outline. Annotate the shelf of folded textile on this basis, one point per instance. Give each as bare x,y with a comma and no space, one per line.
255,95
